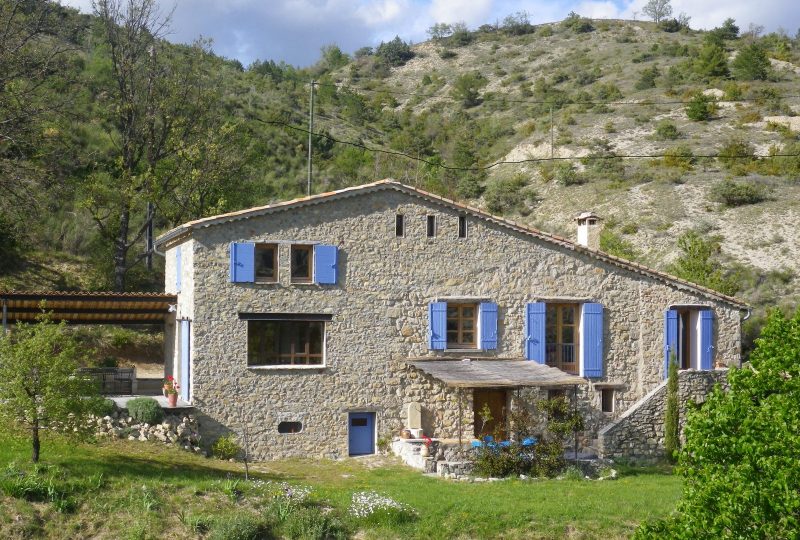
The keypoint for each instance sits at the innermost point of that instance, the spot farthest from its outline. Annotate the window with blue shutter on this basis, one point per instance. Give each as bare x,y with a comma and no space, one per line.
706,339
178,268
487,312
592,340
535,323
243,262
670,337
325,264
437,326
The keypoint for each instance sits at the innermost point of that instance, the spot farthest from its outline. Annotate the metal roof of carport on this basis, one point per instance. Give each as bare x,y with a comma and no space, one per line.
83,307
495,373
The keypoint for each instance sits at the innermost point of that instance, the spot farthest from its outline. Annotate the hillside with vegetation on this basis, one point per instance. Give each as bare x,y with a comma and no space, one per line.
684,141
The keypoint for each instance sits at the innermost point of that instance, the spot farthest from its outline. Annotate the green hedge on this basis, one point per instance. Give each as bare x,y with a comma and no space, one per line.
145,410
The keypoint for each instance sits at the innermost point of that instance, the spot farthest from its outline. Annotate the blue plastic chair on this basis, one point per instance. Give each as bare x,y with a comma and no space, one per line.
476,444
505,444
529,441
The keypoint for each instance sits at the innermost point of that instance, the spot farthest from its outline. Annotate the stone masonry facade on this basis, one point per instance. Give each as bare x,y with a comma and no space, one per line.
639,432
379,317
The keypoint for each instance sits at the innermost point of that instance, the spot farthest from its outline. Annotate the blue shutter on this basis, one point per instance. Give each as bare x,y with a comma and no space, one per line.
670,337
437,325
488,323
706,339
178,268
325,261
243,262
592,340
535,321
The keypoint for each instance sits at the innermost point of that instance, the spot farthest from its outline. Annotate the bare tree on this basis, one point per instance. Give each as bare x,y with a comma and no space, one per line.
158,110
657,10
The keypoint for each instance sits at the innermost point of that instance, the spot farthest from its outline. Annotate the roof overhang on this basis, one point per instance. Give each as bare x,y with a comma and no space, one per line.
80,307
510,373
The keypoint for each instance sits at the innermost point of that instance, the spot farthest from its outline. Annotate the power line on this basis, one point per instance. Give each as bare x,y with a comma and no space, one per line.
515,162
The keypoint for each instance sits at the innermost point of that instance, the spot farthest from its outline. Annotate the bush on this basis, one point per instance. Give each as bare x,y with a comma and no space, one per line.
145,410
310,523
679,157
578,24
506,195
566,174
396,52
466,88
619,247
667,131
739,460
751,64
700,107
736,155
239,527
105,407
226,447
734,193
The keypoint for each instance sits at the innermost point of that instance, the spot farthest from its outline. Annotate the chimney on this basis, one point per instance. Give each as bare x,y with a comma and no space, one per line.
589,228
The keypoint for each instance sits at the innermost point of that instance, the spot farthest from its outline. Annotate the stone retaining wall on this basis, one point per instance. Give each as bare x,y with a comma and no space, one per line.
639,433
180,429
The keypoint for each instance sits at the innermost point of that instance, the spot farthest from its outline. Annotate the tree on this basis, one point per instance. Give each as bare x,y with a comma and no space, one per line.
739,460
700,107
671,411
698,263
657,10
156,109
396,52
39,388
466,88
439,31
711,62
751,64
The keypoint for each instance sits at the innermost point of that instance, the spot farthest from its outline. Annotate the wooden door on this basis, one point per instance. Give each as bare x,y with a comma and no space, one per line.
496,401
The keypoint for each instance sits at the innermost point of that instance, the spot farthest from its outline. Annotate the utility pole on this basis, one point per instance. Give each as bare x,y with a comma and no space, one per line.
551,132
310,134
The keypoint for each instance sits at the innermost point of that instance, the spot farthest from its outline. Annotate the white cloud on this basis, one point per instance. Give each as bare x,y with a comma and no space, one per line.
472,12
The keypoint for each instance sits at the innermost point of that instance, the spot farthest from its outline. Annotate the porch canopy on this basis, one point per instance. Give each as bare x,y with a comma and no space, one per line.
495,373
81,307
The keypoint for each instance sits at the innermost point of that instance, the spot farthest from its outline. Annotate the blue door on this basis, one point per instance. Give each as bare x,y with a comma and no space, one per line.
185,363
361,432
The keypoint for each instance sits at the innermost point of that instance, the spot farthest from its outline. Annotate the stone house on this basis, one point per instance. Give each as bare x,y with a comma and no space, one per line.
318,322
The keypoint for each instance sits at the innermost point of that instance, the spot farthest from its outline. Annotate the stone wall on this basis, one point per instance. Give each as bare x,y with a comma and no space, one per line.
639,432
379,310
181,430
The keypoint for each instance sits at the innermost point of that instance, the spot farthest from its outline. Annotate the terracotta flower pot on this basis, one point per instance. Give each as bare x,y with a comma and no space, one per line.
424,451
172,400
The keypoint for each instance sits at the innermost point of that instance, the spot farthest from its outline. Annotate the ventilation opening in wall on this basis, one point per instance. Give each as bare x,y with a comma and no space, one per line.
607,399
462,226
290,427
431,226
399,226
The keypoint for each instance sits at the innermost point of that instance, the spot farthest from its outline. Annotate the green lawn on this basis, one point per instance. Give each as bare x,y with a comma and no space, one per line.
142,490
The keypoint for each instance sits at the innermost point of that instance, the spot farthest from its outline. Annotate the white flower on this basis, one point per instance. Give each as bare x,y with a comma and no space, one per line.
366,503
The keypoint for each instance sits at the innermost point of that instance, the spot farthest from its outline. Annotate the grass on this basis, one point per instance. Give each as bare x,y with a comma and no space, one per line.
142,490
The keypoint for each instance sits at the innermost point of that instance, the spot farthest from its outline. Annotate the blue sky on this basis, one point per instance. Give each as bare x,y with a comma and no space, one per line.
295,30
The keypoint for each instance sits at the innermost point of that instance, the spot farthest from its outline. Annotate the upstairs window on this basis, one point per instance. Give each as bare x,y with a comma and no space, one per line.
562,337
302,262
285,343
462,226
266,263
431,226
462,325
399,226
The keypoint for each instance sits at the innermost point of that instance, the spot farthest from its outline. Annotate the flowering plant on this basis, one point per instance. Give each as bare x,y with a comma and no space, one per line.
171,386
428,441
366,503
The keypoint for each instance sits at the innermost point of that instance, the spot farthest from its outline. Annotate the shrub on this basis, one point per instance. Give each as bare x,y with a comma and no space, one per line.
395,52
736,155
647,78
466,88
578,24
446,54
666,130
226,447
105,407
734,193
711,62
699,263
311,524
751,64
566,174
700,107
239,526
679,157
619,247
517,24
506,195
739,460
145,410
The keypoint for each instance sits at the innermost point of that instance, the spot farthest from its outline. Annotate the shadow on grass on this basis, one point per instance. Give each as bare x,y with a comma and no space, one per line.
632,469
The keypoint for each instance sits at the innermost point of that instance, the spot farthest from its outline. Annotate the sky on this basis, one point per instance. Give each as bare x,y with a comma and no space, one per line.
294,31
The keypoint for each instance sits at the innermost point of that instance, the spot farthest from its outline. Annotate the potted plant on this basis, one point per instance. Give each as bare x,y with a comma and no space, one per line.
425,451
171,388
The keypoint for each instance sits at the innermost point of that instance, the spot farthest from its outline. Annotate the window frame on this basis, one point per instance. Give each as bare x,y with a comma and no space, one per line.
309,278
459,344
262,246
431,228
576,326
310,321
462,226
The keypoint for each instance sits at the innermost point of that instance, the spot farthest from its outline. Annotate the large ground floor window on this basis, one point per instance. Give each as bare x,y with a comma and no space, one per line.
285,343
